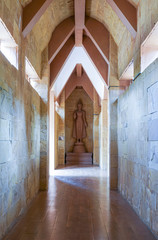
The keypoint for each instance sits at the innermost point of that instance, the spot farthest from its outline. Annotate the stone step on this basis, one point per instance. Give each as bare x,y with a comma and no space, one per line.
79,163
78,154
79,158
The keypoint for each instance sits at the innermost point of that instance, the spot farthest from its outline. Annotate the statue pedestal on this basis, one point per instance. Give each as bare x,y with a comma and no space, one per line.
79,147
79,158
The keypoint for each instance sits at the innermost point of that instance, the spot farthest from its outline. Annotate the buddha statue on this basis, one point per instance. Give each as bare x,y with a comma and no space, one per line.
79,128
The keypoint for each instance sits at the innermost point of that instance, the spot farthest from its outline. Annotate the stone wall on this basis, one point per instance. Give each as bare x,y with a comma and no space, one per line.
114,93
96,128
70,107
138,145
56,120
43,146
104,136
61,130
19,144
20,123
129,47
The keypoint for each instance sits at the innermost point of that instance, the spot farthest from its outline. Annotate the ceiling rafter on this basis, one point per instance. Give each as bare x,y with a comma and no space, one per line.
79,21
97,58
61,58
79,54
32,13
59,37
99,35
79,70
82,81
125,11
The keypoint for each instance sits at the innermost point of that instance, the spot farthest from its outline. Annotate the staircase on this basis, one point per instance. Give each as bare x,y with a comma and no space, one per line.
79,159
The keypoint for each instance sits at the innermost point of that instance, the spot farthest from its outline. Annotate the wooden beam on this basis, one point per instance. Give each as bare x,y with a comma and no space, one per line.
32,13
75,81
60,59
79,70
127,13
125,83
99,35
97,58
79,21
59,37
77,55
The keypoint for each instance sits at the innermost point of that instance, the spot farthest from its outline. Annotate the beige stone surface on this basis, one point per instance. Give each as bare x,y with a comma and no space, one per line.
114,93
104,150
20,148
128,47
96,129
25,2
70,107
113,78
43,146
61,129
102,11
55,14
22,145
56,139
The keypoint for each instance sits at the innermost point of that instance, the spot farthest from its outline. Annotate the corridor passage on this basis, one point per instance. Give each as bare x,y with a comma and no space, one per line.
79,206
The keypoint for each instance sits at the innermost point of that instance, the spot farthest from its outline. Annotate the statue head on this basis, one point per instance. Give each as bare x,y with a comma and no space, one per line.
79,105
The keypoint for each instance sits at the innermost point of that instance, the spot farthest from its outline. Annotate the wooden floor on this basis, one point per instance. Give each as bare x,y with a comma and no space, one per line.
79,206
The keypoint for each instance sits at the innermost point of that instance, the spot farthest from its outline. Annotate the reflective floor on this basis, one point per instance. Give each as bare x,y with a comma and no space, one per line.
78,206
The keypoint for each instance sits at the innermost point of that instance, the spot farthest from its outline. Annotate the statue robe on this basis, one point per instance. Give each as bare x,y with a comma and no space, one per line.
79,129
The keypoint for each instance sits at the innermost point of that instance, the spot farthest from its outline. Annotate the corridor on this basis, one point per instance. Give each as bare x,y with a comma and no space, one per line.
79,206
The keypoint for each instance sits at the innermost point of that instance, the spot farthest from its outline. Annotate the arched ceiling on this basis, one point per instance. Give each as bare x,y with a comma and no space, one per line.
134,2
102,11
59,10
85,42
24,3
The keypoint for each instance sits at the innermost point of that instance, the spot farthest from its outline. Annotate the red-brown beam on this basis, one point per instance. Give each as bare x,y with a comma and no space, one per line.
97,58
127,14
59,37
32,13
75,81
61,57
99,35
79,70
79,21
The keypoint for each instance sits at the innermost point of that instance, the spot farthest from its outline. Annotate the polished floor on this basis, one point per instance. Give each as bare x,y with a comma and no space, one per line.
79,206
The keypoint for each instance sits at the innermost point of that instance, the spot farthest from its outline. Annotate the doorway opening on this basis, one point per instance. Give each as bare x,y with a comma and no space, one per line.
60,128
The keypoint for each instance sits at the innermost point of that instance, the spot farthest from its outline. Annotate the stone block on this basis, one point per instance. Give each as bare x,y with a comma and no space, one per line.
4,129
153,98
138,155
6,104
153,155
142,131
5,150
153,130
154,221
153,180
3,178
